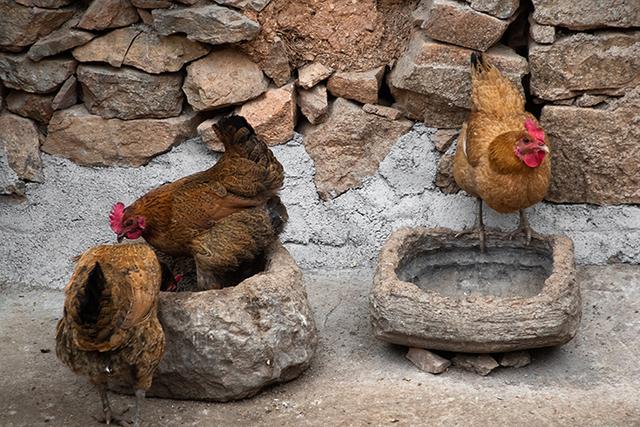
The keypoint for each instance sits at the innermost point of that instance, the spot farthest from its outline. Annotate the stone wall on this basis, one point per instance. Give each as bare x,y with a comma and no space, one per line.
112,84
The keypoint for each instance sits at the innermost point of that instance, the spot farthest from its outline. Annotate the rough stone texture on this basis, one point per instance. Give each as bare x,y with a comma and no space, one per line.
228,344
145,16
88,139
273,60
207,23
382,111
403,312
209,136
359,86
67,94
427,361
593,148
157,54
602,63
515,359
444,175
588,100
432,80
10,183
58,41
49,4
272,115
443,138
103,14
312,74
313,103
500,8
349,146
22,26
21,142
587,14
256,5
481,364
19,72
152,4
110,48
543,34
222,78
454,22
34,106
128,94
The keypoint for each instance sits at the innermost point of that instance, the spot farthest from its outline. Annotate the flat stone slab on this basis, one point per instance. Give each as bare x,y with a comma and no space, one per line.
433,290
230,343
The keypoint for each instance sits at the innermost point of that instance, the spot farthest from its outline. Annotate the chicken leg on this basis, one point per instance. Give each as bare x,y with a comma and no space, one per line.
523,227
478,228
107,415
139,399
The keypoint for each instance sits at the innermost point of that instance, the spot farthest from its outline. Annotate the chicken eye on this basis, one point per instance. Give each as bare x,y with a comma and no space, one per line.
128,223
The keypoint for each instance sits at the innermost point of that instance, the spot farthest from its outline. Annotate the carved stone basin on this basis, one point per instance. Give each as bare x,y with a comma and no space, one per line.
435,291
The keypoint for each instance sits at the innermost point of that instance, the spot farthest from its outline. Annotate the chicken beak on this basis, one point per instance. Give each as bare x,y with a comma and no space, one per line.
544,148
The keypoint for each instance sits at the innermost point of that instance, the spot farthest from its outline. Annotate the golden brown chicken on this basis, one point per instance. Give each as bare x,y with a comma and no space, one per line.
225,217
501,156
110,331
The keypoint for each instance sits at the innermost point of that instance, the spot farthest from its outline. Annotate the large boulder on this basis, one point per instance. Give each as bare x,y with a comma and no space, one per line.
601,63
349,145
593,148
20,139
19,72
587,14
92,140
272,115
230,343
128,94
222,78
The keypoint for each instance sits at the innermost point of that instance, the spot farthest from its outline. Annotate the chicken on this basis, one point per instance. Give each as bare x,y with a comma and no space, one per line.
501,157
225,217
110,331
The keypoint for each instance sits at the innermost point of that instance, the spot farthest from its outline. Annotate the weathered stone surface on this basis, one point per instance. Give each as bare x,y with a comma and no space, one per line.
543,34
110,48
103,14
128,94
32,105
67,94
443,138
313,103
156,54
21,141
454,22
207,23
588,100
587,14
382,111
312,74
272,115
481,364
222,78
359,86
593,148
145,16
88,139
432,80
427,361
602,63
422,298
500,8
209,136
22,26
10,183
256,5
349,146
49,4
272,58
19,72
515,359
58,41
151,4
228,344
444,175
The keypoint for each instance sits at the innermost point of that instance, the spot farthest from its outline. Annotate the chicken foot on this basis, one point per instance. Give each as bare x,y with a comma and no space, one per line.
139,399
107,415
523,227
478,228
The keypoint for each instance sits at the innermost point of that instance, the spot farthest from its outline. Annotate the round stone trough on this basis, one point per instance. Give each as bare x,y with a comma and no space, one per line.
230,343
437,291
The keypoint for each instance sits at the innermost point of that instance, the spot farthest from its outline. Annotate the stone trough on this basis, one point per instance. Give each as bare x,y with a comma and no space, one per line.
230,343
437,291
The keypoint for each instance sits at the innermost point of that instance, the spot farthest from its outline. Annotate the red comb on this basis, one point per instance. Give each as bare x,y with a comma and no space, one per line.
115,217
534,130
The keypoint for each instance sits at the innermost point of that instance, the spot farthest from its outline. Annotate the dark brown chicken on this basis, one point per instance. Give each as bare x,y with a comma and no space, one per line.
109,331
225,217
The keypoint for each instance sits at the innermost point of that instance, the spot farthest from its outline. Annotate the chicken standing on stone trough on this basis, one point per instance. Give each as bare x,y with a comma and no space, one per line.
110,331
225,217
501,156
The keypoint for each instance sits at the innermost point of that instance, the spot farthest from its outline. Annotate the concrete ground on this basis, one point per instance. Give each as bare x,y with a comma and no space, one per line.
356,380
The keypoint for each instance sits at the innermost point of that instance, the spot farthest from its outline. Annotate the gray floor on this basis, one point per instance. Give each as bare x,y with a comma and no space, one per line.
356,380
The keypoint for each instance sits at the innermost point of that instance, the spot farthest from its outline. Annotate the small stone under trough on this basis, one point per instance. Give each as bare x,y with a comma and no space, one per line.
437,291
230,343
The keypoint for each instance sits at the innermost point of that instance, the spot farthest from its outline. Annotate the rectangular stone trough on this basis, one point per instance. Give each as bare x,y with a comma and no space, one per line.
437,291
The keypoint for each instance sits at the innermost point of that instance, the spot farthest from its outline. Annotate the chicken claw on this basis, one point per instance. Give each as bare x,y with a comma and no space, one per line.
523,228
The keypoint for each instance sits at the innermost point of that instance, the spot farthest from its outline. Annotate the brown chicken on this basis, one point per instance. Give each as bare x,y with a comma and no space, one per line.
110,331
225,217
501,156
